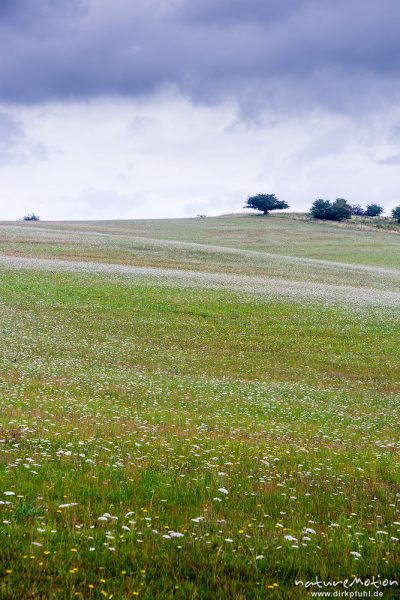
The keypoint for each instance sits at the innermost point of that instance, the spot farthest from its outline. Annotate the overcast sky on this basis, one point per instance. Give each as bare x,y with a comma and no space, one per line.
121,109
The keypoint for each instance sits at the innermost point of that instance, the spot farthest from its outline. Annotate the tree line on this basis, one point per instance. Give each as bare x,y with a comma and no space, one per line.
339,210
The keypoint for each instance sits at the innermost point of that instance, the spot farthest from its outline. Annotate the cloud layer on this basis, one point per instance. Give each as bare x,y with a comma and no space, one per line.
165,157
176,107
340,55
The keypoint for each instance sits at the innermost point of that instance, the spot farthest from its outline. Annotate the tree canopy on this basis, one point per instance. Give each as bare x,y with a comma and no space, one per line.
265,203
357,210
396,213
373,210
331,211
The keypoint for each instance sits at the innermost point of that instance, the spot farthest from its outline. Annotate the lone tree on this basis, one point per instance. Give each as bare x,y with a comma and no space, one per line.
396,213
265,203
331,211
373,210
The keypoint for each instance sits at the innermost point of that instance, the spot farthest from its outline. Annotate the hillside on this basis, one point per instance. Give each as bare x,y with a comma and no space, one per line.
286,234
197,408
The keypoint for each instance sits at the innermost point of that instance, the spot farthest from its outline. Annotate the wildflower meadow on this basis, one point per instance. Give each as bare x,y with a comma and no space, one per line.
198,409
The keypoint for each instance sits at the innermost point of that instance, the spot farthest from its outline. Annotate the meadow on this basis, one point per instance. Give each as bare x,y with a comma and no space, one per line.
199,408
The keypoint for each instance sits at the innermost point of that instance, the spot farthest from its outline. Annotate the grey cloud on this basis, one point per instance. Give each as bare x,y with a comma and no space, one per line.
12,138
290,55
391,160
95,203
15,146
394,135
229,12
141,123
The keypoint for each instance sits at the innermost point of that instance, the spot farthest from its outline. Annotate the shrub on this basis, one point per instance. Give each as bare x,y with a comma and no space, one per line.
396,213
341,209
373,210
265,203
331,211
321,208
357,210
31,217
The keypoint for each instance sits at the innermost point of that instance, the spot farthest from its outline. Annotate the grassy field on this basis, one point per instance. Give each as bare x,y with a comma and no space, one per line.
217,431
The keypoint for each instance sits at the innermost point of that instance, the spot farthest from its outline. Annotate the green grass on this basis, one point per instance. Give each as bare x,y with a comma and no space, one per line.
229,421
281,235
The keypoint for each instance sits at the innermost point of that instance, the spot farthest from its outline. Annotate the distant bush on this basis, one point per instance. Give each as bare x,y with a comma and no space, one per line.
331,211
31,217
321,208
373,210
396,213
357,210
265,203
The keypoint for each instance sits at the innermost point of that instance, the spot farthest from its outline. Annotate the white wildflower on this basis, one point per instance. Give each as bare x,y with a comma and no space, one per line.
309,530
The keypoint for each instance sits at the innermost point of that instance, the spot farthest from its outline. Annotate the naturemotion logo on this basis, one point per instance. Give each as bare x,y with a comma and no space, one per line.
356,587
